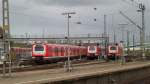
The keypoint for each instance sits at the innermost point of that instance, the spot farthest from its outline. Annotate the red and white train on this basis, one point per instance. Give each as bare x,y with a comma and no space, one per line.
44,52
17,53
56,52
21,51
114,51
93,51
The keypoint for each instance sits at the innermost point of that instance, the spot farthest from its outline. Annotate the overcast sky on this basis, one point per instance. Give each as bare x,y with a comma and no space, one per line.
38,16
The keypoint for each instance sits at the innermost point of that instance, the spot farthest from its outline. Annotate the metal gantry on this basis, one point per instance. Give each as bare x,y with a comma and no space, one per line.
6,34
87,38
142,28
142,10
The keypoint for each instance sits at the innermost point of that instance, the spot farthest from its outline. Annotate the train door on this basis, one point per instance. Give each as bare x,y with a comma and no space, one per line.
56,51
50,51
62,51
66,51
59,50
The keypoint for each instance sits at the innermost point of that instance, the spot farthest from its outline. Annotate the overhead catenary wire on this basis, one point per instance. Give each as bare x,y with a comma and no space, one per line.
135,4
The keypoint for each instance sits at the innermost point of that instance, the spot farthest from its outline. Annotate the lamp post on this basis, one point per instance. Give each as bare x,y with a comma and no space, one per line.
68,35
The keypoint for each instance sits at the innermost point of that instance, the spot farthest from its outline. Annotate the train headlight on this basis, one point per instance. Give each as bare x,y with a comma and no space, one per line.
3,58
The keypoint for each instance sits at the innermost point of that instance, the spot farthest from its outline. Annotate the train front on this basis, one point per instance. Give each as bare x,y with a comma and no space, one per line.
93,51
113,52
38,52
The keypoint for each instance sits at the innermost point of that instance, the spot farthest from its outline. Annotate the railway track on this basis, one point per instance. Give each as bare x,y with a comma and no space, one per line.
51,66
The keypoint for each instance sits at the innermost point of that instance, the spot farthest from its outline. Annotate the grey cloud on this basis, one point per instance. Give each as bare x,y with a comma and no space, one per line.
31,16
75,2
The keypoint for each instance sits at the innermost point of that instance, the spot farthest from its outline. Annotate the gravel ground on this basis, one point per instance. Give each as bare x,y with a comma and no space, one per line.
31,77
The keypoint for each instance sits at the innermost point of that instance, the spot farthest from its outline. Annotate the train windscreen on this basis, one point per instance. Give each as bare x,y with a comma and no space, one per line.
113,48
91,48
39,48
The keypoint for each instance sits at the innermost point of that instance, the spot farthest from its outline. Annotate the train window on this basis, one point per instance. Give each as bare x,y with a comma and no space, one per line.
62,49
66,49
91,48
39,48
74,50
56,50
50,49
113,48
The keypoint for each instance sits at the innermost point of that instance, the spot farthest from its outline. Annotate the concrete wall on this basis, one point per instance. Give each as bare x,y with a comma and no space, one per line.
131,76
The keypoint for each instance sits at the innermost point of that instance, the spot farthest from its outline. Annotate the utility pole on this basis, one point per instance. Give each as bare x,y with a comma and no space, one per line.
133,45
114,36
43,33
142,10
105,28
113,28
128,42
88,37
122,30
6,34
68,40
26,35
105,34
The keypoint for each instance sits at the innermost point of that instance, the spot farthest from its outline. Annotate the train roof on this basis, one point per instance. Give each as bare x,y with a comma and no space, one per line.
61,45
